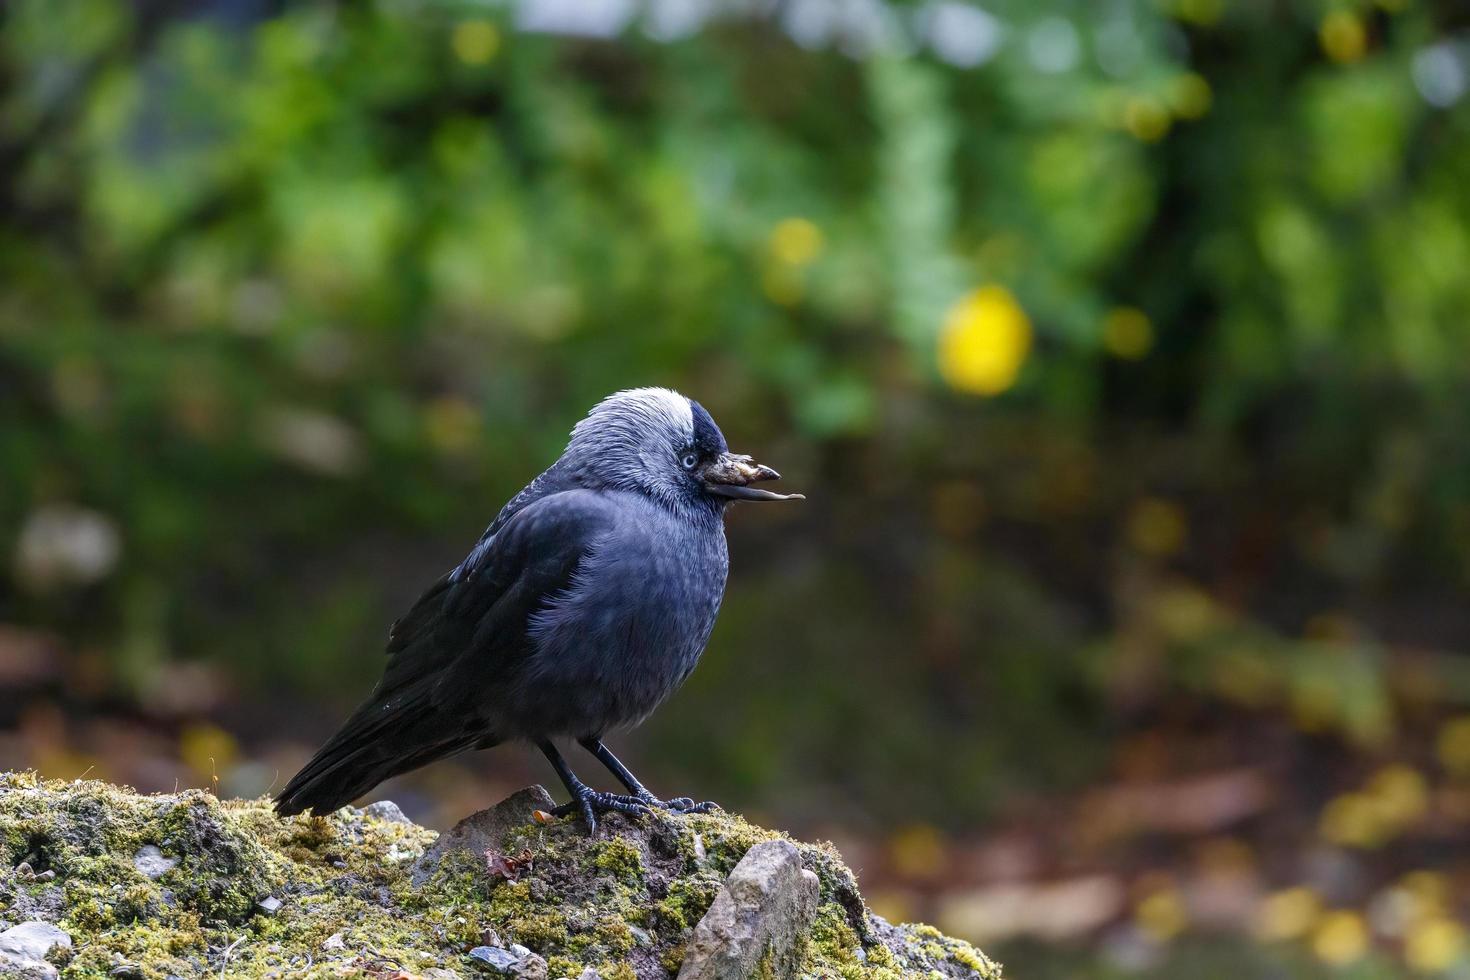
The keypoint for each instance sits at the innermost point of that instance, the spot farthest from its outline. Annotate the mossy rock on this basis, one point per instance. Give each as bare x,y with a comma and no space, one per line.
254,895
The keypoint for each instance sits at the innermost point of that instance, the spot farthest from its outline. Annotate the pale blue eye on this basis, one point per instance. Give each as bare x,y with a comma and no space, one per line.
688,461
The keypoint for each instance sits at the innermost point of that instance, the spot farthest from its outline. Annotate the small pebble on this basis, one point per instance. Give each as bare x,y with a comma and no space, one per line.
501,959
23,949
518,961
270,905
152,862
386,811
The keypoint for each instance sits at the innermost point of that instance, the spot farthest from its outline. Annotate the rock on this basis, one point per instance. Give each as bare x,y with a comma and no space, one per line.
501,959
483,831
625,903
518,961
269,905
23,949
153,863
758,920
387,811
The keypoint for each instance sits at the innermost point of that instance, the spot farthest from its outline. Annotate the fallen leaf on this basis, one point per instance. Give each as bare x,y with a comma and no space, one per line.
507,866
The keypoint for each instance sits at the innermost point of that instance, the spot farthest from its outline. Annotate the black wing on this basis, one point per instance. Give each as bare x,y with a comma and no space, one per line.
461,644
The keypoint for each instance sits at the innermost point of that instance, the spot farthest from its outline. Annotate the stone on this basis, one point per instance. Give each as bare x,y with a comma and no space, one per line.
518,961
386,811
577,903
501,959
153,863
758,920
269,905
23,949
483,831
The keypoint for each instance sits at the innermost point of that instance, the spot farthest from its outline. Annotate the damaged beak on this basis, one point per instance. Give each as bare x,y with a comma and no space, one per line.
731,475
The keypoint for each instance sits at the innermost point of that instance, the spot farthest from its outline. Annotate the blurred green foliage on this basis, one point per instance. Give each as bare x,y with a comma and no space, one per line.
295,295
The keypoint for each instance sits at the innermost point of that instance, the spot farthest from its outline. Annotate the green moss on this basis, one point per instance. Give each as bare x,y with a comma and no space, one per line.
686,901
619,858
613,933
563,966
833,940
621,970
347,901
972,958
673,957
540,930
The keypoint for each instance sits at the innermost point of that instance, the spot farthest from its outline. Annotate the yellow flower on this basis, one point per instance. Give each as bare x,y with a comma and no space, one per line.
1146,118
1127,333
1453,746
1343,36
985,340
1354,820
1288,914
475,41
1434,945
1401,794
796,241
207,749
1162,914
1340,938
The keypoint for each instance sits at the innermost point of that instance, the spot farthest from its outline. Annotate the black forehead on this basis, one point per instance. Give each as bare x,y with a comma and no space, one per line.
708,439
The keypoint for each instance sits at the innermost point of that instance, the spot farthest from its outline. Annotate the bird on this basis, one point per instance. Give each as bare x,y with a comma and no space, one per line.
586,602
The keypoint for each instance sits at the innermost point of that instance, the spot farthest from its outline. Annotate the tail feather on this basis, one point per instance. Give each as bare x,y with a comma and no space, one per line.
375,744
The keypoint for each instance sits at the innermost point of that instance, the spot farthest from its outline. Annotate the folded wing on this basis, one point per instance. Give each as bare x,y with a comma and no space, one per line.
455,654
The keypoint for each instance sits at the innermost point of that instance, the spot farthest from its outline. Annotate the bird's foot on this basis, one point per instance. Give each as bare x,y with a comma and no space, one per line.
679,804
589,802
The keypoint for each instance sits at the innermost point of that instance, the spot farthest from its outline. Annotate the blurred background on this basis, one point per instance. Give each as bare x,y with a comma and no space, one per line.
1120,347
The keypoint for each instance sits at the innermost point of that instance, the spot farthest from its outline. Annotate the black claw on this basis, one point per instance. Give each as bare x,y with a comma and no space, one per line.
679,804
590,802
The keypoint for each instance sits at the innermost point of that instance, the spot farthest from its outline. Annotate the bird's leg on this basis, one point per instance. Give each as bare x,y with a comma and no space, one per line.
682,804
584,798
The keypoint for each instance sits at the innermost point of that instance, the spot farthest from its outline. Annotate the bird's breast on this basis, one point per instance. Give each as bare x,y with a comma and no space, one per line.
631,627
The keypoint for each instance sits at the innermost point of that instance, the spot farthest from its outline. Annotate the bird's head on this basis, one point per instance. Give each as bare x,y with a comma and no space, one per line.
661,443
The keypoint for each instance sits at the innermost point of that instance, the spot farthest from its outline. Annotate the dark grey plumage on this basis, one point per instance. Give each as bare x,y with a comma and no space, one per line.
586,602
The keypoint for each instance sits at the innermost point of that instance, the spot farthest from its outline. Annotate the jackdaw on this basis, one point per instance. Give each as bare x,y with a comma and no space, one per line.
585,603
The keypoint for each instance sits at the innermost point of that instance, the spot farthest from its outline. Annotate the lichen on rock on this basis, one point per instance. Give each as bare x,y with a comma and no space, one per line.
186,885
